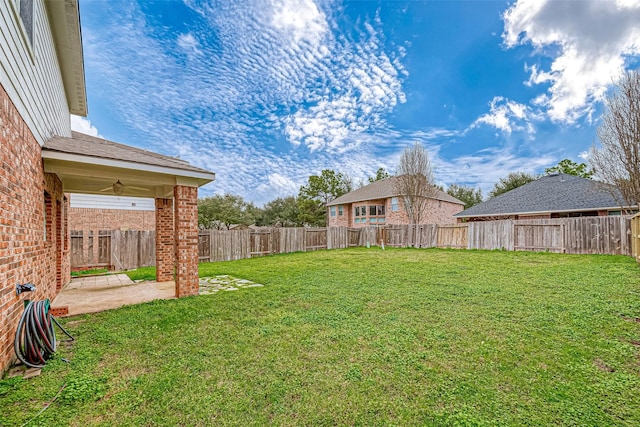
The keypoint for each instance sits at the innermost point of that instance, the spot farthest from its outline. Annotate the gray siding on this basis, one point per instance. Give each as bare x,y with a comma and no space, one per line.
31,74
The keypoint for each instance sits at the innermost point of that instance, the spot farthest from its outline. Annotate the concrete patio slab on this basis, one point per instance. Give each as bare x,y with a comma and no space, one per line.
99,293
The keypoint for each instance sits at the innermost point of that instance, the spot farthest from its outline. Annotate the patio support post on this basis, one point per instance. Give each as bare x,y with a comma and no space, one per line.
165,252
186,238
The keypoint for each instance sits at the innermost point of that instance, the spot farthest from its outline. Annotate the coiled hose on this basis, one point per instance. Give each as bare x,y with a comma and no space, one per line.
35,337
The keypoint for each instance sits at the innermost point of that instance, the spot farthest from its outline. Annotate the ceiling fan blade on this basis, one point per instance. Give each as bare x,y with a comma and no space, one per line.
138,188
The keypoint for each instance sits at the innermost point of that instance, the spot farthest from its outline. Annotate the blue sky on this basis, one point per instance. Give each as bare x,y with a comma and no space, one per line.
268,92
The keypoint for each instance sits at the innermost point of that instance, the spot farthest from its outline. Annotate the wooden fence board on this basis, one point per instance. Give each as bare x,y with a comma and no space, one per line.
586,235
491,235
635,236
315,239
104,247
77,251
353,237
452,236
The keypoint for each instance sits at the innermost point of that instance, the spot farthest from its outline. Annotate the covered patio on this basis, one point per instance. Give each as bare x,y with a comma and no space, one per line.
105,292
91,165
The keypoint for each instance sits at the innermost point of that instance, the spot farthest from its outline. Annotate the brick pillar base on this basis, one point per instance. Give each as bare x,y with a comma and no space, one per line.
186,238
165,252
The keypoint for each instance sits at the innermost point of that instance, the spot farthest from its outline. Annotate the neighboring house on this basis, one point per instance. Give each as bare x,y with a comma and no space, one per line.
552,196
41,83
380,203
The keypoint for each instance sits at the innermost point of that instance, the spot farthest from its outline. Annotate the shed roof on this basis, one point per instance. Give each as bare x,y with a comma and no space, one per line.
383,189
551,193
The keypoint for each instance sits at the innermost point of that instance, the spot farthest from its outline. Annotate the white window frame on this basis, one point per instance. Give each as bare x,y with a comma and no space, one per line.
29,38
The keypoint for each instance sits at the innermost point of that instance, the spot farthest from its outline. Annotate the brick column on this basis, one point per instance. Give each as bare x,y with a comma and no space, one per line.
165,252
186,237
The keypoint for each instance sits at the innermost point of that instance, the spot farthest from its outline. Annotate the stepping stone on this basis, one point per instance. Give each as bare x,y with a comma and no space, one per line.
255,285
231,289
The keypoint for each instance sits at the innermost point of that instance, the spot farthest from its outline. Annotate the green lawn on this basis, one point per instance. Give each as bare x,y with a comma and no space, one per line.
361,337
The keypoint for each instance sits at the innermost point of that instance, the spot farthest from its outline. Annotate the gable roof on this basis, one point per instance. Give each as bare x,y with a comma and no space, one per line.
98,148
551,193
383,189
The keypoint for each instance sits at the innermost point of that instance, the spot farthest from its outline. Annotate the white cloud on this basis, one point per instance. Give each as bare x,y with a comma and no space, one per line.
301,19
189,44
507,116
82,125
589,42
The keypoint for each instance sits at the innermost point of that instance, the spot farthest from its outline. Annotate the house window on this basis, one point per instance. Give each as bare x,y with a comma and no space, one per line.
394,204
340,212
332,211
376,212
24,9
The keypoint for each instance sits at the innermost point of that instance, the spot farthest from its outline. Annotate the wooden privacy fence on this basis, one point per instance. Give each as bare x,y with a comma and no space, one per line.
586,235
635,237
618,235
116,249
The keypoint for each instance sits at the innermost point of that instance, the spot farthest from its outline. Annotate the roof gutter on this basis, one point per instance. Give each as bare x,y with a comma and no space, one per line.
546,212
64,18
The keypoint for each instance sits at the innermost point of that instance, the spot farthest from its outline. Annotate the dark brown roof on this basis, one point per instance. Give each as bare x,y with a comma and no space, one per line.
383,189
91,146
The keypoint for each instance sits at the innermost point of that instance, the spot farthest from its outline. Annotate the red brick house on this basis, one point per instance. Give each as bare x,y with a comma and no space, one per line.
41,83
379,203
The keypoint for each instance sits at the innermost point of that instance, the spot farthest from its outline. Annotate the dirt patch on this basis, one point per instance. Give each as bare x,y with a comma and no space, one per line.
603,366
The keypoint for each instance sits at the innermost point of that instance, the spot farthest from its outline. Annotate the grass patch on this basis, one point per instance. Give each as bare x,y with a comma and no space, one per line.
361,337
90,271
142,273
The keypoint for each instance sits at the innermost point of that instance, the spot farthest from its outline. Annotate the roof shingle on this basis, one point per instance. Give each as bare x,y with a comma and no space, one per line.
91,146
383,189
551,193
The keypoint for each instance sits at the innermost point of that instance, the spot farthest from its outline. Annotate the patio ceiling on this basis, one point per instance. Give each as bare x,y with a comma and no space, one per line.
91,165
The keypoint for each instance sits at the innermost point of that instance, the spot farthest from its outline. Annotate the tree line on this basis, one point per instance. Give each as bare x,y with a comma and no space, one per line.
615,161
308,208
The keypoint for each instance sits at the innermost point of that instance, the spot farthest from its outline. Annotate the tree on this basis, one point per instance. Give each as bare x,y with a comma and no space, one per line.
617,162
280,212
512,181
320,190
220,211
469,195
415,181
381,173
570,167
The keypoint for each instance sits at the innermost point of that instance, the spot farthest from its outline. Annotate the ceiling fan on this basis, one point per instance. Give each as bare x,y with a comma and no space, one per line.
119,188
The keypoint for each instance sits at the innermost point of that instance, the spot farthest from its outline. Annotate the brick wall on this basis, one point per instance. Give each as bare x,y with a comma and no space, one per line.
30,252
111,219
165,245
186,237
338,220
437,212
